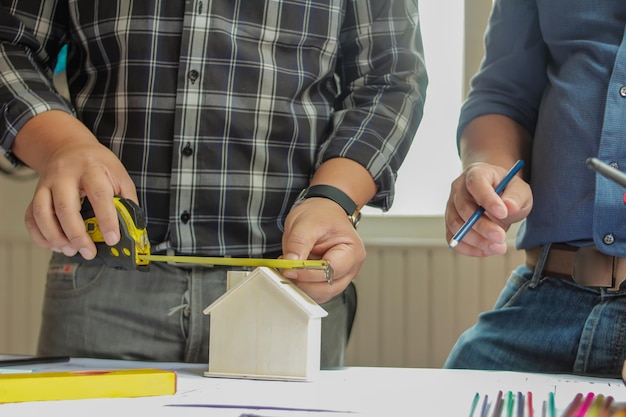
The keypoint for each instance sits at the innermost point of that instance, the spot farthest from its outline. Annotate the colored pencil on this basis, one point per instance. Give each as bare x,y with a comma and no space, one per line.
509,404
573,406
606,407
497,409
485,408
474,404
551,405
584,407
596,406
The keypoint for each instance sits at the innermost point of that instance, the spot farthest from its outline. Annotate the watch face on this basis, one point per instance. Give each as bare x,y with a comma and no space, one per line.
300,198
355,219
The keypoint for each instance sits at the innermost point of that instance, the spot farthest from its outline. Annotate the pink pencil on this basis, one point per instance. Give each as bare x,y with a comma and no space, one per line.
585,405
573,406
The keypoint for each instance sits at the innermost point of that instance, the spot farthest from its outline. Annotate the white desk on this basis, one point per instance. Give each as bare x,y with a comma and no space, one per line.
380,392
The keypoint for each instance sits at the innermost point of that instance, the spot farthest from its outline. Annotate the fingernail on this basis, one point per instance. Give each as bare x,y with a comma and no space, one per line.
86,253
68,251
499,212
111,238
497,237
499,248
290,273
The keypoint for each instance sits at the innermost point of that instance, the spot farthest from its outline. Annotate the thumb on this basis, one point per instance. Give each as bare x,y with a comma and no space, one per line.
296,246
299,238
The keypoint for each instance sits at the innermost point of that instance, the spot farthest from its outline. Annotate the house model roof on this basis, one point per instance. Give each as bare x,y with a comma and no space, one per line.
285,286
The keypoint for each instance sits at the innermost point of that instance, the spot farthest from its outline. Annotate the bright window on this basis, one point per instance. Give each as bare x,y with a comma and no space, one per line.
432,164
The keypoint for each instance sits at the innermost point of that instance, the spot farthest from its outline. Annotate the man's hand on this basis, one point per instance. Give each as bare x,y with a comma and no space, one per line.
71,164
474,188
319,228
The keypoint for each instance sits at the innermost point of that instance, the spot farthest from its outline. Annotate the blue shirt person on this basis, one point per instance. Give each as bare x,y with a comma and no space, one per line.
551,90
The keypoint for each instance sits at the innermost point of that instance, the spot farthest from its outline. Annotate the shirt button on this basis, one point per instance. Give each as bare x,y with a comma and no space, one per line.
609,239
614,165
185,217
622,91
187,150
193,75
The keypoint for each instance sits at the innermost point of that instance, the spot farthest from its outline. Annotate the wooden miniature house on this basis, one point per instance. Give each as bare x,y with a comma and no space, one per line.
264,327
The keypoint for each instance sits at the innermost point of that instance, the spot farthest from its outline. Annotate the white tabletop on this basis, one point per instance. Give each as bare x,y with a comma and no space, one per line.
356,391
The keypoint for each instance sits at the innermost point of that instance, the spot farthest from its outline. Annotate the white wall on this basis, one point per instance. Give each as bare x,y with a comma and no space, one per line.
452,33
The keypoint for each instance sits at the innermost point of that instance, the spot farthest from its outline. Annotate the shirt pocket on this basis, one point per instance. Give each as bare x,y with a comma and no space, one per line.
311,27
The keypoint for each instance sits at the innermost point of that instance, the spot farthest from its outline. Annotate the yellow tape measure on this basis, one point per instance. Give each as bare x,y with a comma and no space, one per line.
249,262
133,250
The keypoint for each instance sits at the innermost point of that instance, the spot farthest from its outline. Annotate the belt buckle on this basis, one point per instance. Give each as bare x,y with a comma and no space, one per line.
592,268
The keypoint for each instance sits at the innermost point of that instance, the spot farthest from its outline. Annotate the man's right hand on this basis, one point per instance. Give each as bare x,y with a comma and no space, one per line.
474,188
71,164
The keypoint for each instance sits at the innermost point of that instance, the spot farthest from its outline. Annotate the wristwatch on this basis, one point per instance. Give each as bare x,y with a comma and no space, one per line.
335,194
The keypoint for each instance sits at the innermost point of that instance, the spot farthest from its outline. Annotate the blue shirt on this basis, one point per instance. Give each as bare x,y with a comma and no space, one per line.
558,67
222,110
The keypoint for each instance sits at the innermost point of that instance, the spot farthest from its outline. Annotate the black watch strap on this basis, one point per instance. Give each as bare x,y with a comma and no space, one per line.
336,195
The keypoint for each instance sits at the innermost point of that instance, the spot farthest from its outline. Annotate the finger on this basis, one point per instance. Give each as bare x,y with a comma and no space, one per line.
298,243
469,248
481,185
106,213
321,292
34,232
296,246
46,223
67,205
296,273
311,275
483,239
518,199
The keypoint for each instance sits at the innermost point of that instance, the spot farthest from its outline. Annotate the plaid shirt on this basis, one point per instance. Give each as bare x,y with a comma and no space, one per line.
221,110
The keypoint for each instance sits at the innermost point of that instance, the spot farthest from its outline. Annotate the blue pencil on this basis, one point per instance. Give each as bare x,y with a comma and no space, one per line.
480,211
485,408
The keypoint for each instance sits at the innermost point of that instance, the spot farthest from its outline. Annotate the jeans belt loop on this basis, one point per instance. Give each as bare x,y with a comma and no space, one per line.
541,260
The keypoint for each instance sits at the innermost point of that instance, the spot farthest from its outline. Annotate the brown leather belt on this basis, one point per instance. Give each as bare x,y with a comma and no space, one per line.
586,266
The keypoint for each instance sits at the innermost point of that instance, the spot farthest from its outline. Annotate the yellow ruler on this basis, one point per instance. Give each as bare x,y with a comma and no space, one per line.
248,262
52,386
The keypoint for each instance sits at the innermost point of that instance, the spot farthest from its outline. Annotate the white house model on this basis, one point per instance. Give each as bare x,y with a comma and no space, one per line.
264,327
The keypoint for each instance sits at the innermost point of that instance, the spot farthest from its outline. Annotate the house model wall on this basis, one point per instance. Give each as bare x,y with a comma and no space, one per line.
265,327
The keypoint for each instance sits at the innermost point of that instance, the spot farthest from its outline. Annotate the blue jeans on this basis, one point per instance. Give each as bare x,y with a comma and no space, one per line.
547,325
95,311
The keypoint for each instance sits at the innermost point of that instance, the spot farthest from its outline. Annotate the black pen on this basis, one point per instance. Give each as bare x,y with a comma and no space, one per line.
33,360
480,211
